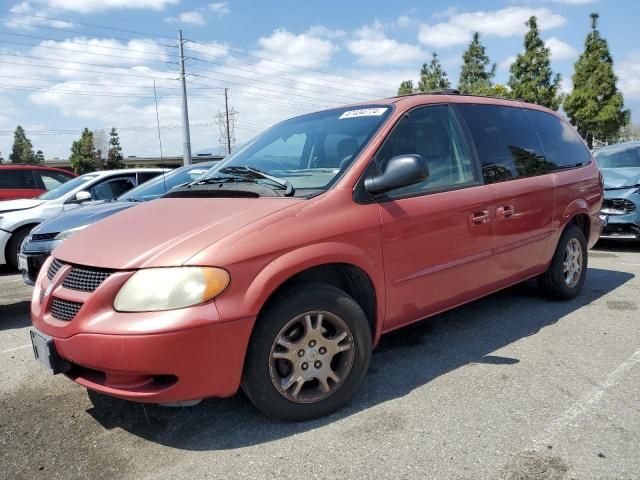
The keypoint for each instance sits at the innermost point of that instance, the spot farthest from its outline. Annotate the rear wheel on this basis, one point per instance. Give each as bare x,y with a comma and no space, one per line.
308,353
566,274
14,245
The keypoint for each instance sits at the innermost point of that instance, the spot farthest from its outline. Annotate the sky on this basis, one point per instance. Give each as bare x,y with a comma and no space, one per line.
70,64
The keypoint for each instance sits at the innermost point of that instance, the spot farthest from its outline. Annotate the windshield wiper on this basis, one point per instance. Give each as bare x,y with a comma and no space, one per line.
288,186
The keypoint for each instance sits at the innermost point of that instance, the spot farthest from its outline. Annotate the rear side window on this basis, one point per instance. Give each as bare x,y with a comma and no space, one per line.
53,179
21,179
111,188
507,144
563,146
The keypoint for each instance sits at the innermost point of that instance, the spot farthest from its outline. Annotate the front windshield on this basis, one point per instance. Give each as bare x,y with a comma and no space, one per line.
310,151
159,186
66,187
625,157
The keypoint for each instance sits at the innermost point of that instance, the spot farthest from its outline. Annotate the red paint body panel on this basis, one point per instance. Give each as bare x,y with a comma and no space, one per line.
422,255
16,193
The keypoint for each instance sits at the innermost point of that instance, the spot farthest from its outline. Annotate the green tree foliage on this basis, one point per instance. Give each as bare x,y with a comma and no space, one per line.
476,76
432,76
596,106
114,157
22,151
39,156
83,153
532,79
406,87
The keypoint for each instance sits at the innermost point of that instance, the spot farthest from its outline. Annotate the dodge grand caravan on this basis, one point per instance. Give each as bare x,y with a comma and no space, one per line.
280,268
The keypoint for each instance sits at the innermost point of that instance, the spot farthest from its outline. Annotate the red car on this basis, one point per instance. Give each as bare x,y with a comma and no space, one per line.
29,181
280,269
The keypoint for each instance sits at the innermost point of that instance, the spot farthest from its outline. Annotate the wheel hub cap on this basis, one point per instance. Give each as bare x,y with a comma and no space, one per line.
572,264
311,357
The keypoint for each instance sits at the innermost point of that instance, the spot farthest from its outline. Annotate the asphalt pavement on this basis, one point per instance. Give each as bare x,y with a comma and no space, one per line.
512,386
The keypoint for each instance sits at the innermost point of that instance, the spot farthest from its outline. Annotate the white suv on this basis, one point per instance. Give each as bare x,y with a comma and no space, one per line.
18,217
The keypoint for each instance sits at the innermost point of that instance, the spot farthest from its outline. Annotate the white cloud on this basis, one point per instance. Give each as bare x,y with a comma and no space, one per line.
573,2
629,75
506,63
87,6
220,8
304,50
26,16
506,22
322,31
192,18
560,50
372,47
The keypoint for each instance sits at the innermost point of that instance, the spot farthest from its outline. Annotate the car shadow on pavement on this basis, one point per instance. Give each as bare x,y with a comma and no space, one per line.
405,359
15,315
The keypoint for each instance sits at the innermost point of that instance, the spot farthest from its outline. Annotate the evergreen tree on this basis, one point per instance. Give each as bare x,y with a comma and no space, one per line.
39,158
475,78
114,157
595,106
532,79
406,87
22,151
83,153
433,77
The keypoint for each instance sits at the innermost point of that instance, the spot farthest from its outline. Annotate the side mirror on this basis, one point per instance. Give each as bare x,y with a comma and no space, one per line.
401,171
81,197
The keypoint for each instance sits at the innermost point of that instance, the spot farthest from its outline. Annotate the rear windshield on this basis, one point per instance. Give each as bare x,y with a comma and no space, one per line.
66,187
622,157
310,151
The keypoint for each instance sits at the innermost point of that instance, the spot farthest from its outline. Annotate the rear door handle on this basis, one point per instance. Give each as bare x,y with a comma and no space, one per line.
505,211
479,218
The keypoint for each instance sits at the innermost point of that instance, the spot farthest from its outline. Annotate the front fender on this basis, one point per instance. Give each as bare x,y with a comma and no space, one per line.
248,299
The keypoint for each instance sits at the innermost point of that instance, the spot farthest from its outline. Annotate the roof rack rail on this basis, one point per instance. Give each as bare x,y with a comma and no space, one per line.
446,91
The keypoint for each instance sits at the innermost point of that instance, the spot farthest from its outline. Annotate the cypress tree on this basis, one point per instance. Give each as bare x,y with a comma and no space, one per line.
433,77
83,153
596,106
475,77
406,87
114,156
22,151
532,79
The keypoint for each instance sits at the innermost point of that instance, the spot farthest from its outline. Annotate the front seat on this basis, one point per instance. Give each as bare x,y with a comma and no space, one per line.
346,151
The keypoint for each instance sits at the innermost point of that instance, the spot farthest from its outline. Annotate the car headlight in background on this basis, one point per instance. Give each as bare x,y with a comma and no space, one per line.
155,289
65,234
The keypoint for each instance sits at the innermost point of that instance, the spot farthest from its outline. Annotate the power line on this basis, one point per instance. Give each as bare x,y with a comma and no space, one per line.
77,42
105,85
91,25
84,52
64,60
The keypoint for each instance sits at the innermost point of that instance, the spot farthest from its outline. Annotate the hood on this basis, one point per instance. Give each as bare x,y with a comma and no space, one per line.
21,204
620,177
165,232
80,216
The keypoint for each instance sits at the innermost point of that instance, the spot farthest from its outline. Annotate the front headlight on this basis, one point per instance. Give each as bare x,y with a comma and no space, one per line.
65,234
154,289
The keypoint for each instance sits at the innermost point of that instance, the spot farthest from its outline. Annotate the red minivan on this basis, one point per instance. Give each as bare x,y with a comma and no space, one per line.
29,181
279,270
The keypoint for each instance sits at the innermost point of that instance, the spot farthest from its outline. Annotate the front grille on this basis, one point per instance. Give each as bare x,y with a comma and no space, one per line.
40,237
41,295
64,310
53,268
618,206
85,279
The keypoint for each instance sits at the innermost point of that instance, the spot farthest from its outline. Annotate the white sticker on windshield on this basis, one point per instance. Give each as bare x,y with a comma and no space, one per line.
363,112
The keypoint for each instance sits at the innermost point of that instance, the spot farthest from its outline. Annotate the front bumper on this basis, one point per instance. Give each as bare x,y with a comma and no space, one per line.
36,254
153,357
4,239
621,231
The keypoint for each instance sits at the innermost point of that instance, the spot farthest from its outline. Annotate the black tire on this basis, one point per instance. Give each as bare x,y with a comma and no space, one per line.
552,282
294,302
14,244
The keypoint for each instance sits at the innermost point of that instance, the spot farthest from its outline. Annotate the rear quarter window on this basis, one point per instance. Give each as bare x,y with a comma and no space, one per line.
508,146
563,146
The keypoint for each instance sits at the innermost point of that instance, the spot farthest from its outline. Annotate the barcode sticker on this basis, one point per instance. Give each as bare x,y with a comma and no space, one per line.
363,112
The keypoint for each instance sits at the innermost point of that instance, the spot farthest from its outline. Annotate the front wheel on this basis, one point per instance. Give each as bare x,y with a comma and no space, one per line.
308,353
14,245
566,274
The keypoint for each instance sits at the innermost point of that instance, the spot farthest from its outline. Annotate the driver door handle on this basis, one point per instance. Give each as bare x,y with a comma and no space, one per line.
479,218
505,211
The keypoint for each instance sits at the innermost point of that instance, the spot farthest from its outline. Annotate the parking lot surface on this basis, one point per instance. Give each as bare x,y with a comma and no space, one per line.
512,386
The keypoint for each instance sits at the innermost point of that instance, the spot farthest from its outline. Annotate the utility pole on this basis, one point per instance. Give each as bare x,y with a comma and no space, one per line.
226,109
186,137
